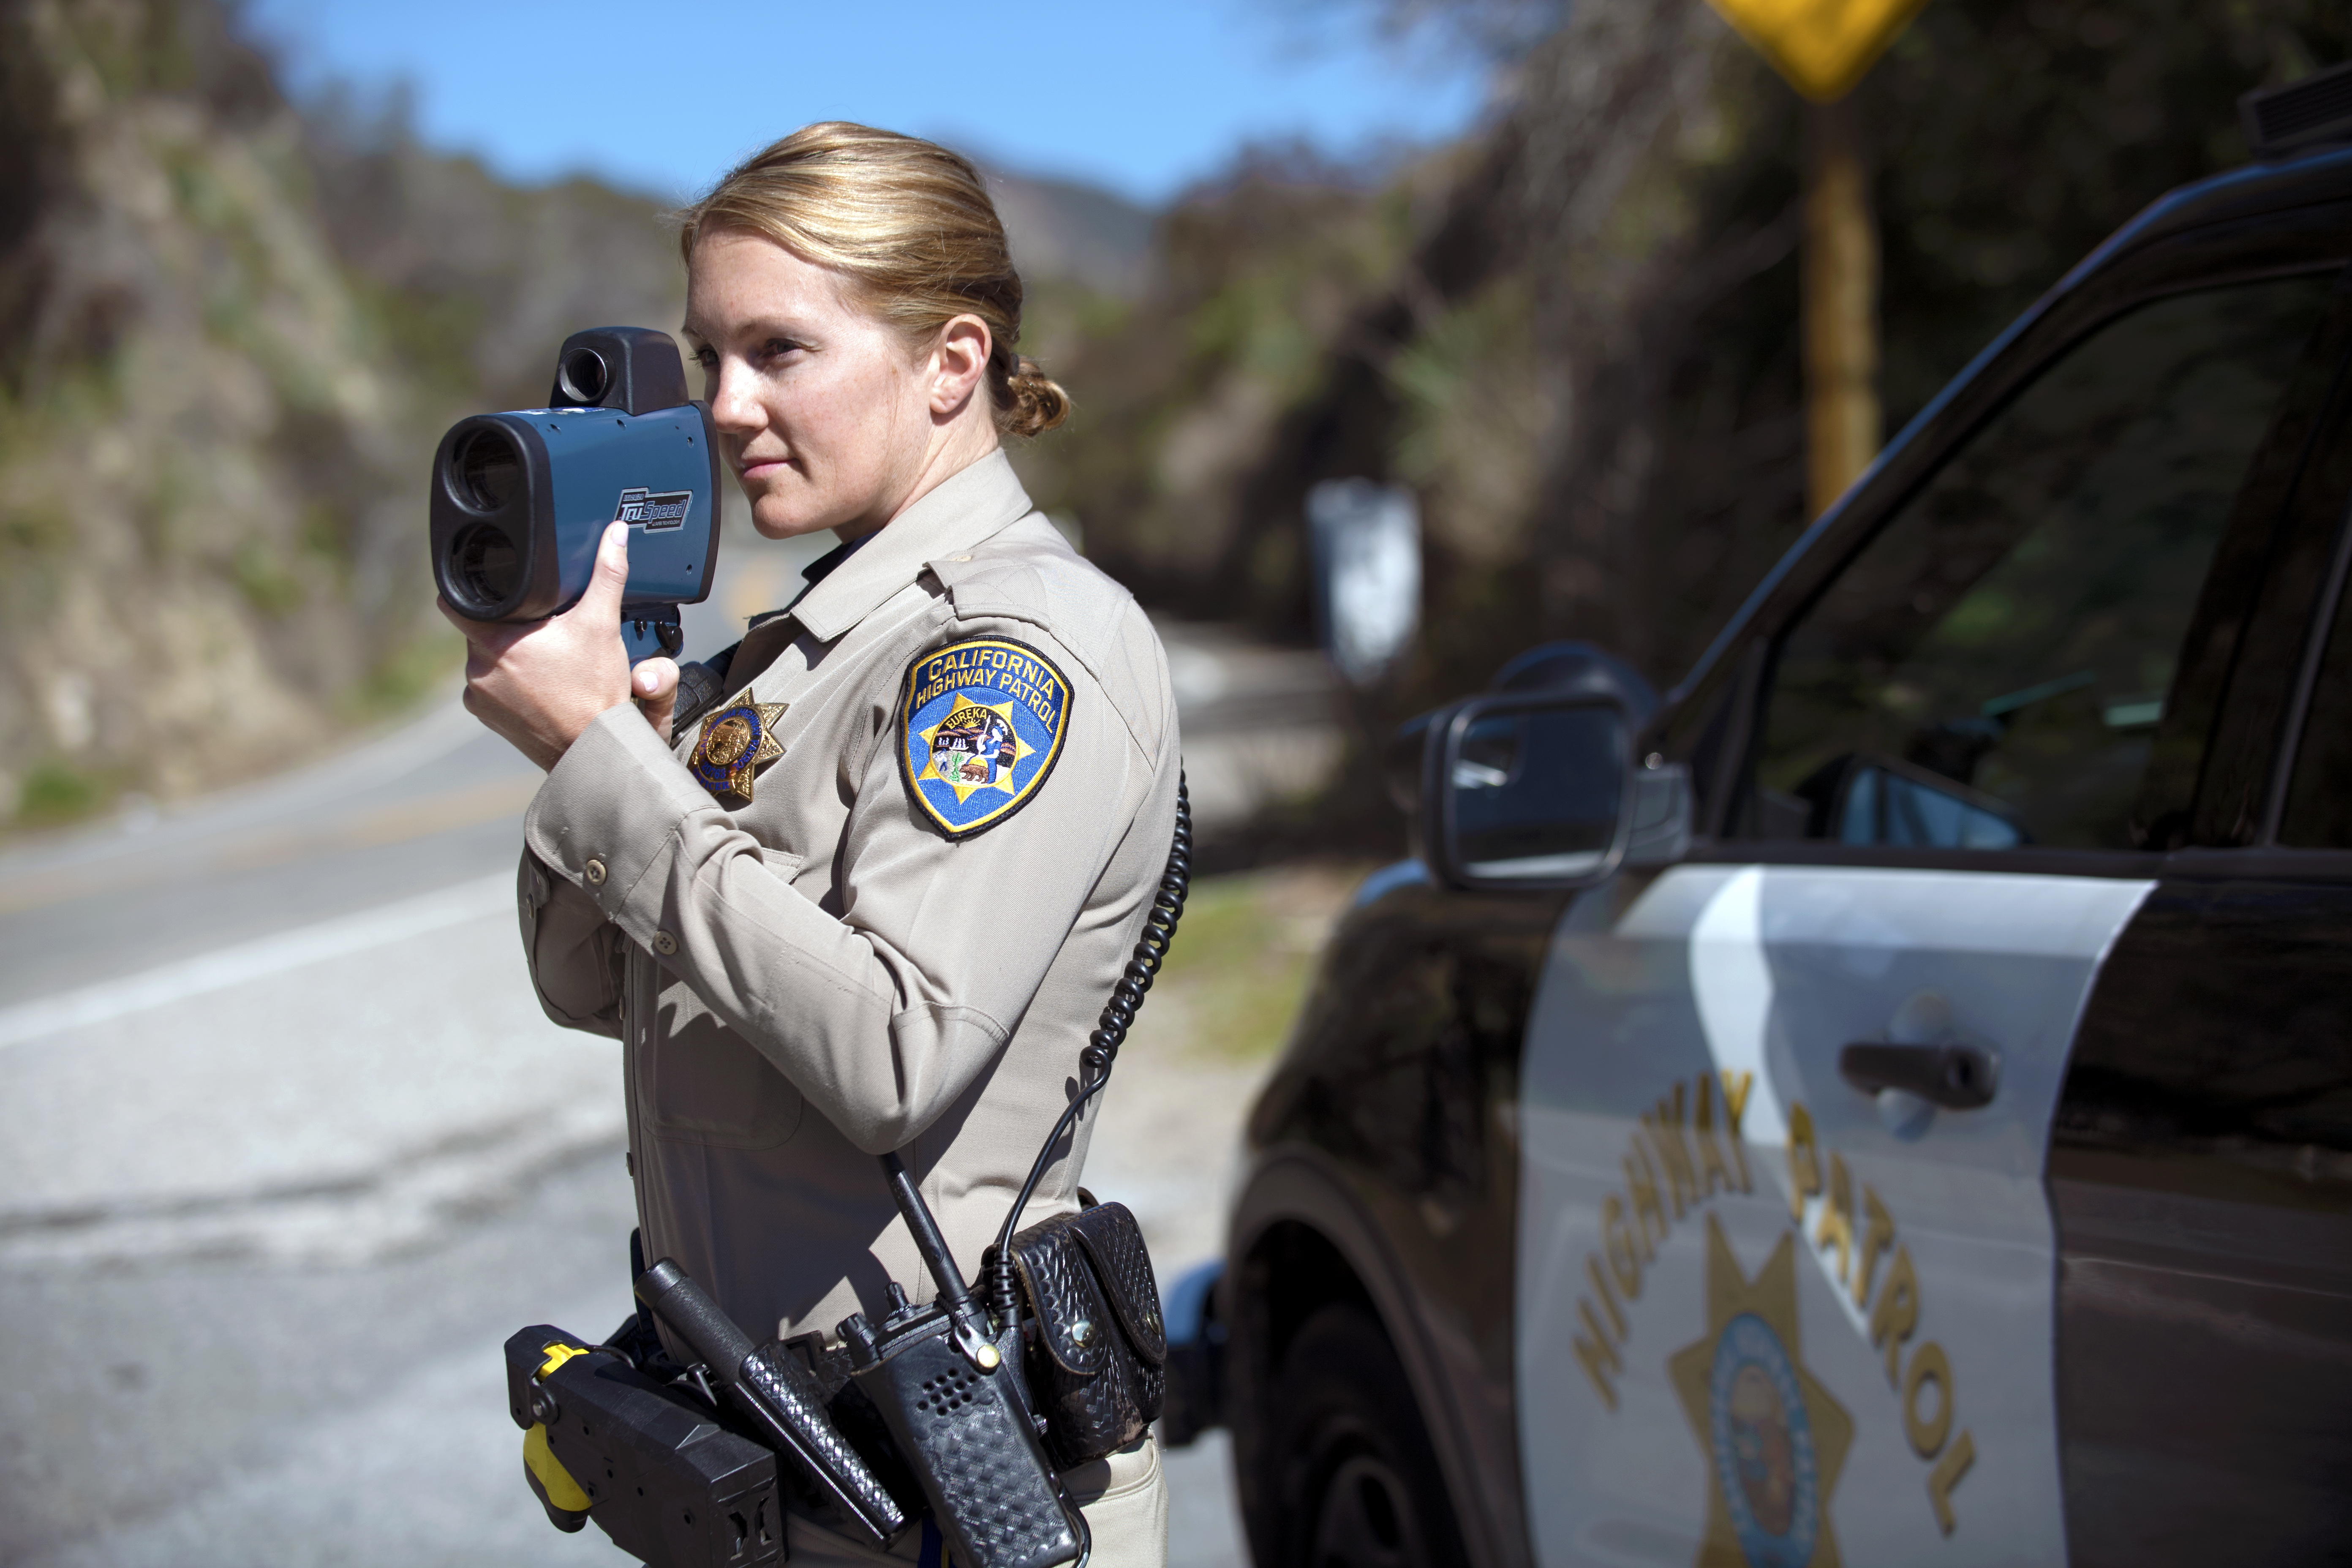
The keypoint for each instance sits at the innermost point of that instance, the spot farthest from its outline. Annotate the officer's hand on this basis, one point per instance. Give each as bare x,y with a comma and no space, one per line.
541,684
654,683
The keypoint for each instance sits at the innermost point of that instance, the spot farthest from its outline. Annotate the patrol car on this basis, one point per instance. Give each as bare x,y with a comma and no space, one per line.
1890,1101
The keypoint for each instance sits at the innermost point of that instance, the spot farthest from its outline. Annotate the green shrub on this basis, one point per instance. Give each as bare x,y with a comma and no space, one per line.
56,792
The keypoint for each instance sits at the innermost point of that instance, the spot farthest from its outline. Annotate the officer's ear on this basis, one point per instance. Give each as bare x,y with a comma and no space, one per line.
959,362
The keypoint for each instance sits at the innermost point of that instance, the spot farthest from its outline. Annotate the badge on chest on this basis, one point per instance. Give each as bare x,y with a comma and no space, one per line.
982,722
736,743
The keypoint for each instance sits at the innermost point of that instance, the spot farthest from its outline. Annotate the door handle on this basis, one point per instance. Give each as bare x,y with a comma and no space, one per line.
1957,1077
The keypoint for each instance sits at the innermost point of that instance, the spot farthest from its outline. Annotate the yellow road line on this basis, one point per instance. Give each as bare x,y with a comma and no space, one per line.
396,822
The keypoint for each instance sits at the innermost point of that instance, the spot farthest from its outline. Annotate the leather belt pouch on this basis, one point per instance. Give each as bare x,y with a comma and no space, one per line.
1098,1354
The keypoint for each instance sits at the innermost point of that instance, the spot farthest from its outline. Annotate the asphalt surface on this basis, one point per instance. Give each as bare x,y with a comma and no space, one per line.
288,1150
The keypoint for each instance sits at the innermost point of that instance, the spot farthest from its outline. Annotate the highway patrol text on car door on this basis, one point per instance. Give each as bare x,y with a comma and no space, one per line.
1785,1282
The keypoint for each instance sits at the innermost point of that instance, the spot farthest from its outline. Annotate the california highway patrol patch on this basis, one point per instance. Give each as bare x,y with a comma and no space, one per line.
983,721
735,743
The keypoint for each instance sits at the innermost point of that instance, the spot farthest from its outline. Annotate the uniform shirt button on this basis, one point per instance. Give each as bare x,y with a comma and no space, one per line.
594,873
664,943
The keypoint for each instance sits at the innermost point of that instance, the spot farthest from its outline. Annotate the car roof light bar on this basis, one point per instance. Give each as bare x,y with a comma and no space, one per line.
2308,113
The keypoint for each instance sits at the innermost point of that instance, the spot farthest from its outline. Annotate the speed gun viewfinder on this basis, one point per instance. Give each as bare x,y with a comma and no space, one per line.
521,499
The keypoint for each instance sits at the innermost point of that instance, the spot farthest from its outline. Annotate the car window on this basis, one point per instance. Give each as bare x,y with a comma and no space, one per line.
2319,791
1990,670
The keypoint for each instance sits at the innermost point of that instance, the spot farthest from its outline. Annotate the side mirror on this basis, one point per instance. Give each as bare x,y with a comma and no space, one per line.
1527,792
1663,813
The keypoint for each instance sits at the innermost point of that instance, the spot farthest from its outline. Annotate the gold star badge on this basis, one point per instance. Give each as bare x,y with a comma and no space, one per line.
736,743
1773,1438
975,747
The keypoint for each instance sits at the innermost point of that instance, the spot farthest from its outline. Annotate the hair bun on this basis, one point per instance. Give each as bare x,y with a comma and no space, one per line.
1035,402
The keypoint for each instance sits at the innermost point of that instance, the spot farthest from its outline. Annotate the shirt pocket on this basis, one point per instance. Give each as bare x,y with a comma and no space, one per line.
706,1084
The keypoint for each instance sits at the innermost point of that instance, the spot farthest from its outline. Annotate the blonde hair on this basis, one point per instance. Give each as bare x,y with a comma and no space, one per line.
910,224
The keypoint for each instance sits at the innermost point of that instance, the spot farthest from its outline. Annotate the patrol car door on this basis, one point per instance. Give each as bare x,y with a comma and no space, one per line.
2200,1162
1786,1284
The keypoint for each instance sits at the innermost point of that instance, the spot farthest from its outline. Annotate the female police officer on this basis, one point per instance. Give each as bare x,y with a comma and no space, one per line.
876,898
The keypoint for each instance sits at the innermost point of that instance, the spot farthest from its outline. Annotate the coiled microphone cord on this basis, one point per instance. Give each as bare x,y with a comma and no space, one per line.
1102,1045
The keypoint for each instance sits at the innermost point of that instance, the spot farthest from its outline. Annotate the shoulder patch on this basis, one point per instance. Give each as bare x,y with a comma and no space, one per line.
980,724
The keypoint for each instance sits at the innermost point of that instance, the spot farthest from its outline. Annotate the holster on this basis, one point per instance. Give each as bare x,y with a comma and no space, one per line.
1097,1359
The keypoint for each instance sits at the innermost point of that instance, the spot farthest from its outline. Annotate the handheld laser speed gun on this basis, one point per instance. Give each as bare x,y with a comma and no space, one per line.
521,499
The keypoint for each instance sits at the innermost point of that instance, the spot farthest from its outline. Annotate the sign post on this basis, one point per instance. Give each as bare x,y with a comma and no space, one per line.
1822,47
1840,282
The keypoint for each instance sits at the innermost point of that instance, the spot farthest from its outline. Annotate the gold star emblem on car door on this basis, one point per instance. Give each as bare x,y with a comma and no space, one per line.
1774,1439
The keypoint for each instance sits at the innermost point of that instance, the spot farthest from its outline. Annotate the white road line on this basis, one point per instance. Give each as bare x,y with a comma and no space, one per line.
256,959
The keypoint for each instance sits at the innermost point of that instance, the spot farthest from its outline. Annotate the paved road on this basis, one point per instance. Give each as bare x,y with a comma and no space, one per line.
288,1150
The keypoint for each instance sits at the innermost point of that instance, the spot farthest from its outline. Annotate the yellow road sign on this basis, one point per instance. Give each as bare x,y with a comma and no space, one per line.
1821,46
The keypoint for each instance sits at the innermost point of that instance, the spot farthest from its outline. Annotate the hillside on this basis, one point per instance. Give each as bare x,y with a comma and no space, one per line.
202,544
1574,335
230,333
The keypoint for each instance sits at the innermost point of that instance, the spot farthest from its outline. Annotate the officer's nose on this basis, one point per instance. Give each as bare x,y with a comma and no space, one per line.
734,404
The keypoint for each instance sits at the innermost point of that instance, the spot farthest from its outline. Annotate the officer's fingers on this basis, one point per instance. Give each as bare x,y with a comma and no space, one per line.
486,643
602,600
654,679
654,684
474,632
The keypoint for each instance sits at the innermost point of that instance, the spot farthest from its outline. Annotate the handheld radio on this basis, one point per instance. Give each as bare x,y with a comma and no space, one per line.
952,1400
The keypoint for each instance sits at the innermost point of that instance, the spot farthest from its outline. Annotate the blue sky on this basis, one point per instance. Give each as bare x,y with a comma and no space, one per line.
1143,97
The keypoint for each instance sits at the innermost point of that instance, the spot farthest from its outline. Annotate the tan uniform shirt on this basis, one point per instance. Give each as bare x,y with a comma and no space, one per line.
823,974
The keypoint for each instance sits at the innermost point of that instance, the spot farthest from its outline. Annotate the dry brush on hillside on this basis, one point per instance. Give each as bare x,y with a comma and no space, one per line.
1574,334
230,329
